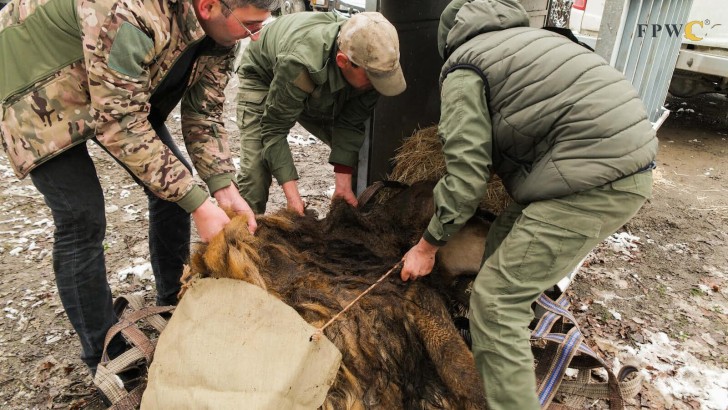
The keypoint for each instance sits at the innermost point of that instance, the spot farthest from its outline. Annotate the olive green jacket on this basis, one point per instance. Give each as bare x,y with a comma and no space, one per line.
548,116
292,69
71,70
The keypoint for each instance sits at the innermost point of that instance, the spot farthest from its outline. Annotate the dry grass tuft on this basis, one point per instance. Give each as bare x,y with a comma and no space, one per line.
420,158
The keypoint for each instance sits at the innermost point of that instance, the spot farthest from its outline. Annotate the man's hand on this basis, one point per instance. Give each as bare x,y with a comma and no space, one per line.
229,198
418,261
342,189
293,198
209,220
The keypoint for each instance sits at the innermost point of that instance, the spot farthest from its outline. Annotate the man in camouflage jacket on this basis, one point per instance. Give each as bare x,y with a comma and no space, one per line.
325,72
570,139
112,70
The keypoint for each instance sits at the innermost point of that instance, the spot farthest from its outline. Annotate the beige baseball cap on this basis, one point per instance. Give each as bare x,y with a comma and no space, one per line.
370,41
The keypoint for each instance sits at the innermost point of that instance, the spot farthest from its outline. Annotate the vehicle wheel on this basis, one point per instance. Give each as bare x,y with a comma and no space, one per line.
685,84
292,6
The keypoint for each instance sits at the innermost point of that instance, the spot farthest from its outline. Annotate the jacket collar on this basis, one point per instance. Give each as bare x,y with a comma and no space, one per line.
336,79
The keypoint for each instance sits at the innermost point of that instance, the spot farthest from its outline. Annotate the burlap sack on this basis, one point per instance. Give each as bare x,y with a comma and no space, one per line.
230,345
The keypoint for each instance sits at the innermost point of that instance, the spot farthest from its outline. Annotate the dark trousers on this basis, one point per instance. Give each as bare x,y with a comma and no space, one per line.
71,189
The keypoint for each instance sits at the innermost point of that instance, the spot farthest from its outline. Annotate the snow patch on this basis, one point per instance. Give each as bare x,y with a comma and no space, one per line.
45,222
303,140
330,191
140,269
623,242
673,370
129,209
678,248
6,171
27,191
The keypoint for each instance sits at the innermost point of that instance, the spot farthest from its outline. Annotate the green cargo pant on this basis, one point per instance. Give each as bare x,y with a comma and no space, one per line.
254,179
528,250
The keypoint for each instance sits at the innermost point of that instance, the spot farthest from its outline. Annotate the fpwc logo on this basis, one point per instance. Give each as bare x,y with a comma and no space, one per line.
695,30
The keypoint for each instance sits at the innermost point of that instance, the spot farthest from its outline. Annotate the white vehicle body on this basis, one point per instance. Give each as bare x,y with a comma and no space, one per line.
346,7
357,4
702,65
586,20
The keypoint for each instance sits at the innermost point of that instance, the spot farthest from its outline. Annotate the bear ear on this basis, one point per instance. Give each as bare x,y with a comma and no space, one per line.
230,254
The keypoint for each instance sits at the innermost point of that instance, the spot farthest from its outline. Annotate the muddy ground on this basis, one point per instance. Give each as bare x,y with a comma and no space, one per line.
656,295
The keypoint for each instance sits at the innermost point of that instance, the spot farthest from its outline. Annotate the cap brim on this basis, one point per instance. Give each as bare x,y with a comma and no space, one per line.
388,84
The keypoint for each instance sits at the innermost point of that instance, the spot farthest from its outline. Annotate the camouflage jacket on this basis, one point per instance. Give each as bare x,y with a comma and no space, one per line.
292,70
71,70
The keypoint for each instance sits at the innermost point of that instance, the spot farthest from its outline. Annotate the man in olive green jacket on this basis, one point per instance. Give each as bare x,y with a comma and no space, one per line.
325,72
111,71
571,141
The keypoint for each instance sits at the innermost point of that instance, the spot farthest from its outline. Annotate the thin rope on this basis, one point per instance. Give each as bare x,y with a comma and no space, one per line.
320,331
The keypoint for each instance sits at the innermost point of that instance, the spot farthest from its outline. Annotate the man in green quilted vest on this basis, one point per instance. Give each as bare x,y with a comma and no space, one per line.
111,71
570,139
324,71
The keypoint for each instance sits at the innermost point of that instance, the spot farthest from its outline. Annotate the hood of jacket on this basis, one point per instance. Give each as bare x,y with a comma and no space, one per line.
464,19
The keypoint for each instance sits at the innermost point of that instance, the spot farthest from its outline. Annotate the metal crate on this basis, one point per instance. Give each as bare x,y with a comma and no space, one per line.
646,61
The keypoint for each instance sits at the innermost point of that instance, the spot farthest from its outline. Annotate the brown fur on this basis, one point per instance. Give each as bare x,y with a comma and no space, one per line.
399,345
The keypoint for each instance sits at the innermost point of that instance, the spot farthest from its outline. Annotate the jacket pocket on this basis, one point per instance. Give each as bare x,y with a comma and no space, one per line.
252,96
638,184
251,106
565,217
548,241
46,121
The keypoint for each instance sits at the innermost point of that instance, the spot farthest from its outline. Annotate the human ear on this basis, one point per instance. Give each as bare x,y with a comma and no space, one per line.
341,59
205,8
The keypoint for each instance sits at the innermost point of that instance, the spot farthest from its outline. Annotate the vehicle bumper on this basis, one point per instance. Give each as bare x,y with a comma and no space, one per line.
711,64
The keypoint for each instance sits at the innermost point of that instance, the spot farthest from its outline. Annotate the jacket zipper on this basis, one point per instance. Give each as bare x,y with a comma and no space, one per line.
16,95
217,137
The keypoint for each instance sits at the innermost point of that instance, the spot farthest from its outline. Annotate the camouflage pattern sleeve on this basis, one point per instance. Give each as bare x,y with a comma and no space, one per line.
202,120
121,41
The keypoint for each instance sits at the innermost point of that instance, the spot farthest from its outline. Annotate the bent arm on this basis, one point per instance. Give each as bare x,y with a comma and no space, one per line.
466,130
283,106
119,48
202,120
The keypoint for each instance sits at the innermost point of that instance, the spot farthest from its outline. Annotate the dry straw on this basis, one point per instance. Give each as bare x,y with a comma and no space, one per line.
420,158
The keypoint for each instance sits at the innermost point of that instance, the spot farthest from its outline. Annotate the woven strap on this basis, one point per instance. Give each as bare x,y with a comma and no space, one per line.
585,386
106,378
564,350
127,327
555,374
136,302
131,401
